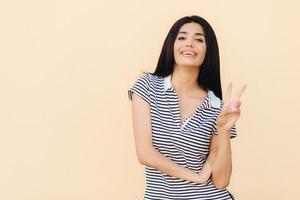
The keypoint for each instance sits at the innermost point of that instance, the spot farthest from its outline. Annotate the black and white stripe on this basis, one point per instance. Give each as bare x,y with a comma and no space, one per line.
187,144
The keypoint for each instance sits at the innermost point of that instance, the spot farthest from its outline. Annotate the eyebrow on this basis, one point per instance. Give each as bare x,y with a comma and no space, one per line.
184,32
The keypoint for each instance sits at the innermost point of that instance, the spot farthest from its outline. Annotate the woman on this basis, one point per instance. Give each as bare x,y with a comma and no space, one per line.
182,127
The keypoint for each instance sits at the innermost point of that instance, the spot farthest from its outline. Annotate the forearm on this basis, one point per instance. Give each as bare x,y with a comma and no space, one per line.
222,166
153,158
205,172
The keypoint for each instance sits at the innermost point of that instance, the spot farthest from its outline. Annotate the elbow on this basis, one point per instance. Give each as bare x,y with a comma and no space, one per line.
142,160
221,186
143,157
220,183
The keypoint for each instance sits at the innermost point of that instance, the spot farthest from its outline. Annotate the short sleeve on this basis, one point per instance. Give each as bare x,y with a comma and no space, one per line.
233,133
141,87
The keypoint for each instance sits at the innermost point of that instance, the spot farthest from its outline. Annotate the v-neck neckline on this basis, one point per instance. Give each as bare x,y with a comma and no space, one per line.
186,120
183,124
168,85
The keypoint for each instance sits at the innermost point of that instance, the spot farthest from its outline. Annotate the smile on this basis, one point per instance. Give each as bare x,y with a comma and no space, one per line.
188,53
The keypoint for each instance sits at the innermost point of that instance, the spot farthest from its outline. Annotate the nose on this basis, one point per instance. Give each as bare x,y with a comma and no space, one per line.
189,42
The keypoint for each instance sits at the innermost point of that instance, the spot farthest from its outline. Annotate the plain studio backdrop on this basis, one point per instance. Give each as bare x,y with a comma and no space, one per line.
65,67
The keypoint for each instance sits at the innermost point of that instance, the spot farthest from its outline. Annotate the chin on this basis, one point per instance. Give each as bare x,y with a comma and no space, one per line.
189,65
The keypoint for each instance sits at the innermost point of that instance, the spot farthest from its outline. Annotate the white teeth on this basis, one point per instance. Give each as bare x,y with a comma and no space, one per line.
188,53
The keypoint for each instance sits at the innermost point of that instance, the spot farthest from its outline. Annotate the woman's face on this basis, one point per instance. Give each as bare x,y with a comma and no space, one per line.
190,46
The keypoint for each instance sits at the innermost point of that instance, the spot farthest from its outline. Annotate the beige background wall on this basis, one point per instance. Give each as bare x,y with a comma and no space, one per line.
65,67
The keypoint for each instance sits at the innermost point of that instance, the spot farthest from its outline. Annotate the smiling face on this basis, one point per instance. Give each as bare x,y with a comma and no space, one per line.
190,46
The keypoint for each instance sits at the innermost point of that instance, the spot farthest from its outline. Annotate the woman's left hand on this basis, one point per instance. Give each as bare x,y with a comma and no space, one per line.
231,109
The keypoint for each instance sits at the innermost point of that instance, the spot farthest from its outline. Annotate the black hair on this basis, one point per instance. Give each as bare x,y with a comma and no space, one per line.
209,74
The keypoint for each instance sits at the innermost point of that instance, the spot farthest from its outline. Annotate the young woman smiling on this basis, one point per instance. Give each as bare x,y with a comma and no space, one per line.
182,125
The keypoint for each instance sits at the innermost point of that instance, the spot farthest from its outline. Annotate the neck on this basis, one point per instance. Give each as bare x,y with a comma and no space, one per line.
184,79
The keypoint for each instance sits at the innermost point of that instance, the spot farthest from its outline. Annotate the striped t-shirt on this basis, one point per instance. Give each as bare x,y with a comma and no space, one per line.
185,143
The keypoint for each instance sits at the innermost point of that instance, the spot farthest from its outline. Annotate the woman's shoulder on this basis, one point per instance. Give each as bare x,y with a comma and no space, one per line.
149,79
144,85
149,76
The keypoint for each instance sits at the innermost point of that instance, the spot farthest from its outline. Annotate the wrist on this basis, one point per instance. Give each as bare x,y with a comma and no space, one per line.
198,177
201,179
223,129
204,173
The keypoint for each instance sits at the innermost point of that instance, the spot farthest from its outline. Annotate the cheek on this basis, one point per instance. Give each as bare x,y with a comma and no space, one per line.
176,57
202,52
176,47
176,50
202,48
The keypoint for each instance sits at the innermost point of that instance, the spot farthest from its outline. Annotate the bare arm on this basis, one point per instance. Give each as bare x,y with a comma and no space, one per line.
222,166
149,156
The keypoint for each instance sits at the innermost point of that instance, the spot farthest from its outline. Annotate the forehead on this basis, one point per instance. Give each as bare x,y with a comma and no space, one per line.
191,28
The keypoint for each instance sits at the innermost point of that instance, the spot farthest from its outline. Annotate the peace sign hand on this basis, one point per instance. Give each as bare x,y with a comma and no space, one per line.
231,109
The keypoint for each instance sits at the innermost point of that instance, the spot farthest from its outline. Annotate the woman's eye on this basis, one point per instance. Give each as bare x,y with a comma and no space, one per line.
183,38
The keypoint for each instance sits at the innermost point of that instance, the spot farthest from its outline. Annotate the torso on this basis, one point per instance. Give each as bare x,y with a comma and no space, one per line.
186,144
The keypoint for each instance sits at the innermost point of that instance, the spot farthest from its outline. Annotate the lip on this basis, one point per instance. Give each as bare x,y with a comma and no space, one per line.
188,53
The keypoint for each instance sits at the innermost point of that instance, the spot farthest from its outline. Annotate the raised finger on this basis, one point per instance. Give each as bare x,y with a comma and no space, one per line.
228,93
240,93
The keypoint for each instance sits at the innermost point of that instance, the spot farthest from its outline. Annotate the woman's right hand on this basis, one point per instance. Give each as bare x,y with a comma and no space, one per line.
205,173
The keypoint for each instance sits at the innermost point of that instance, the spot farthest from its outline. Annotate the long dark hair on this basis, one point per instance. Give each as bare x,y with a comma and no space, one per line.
209,74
